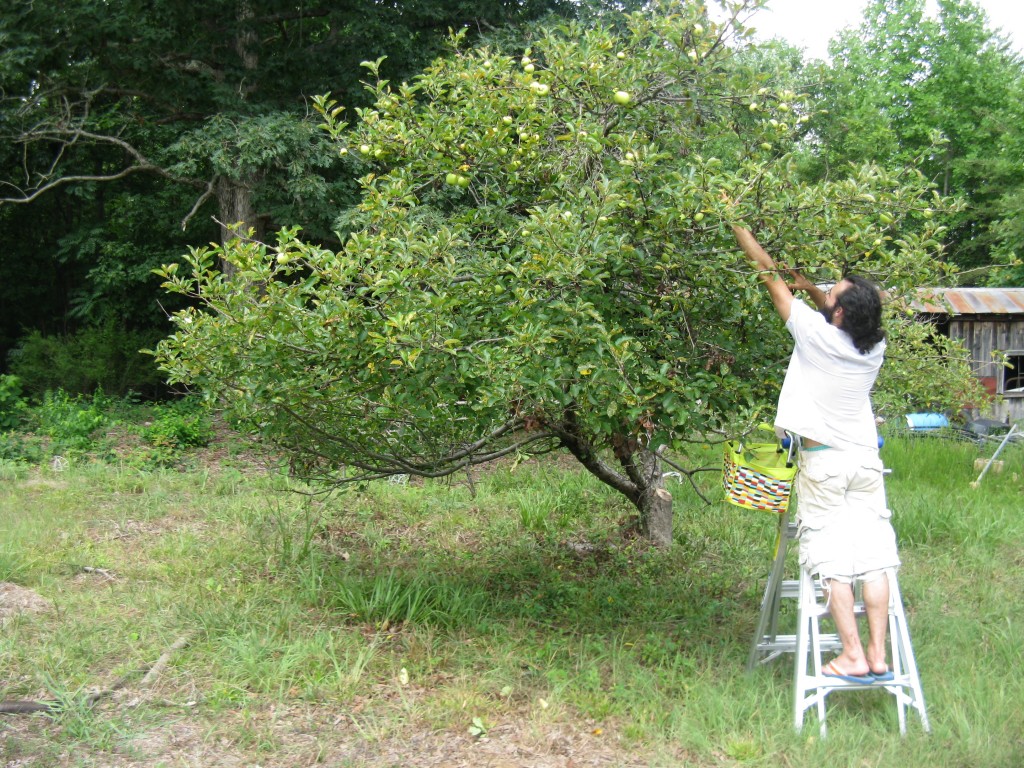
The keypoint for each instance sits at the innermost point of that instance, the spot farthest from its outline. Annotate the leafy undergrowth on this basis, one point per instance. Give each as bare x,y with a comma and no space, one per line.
505,622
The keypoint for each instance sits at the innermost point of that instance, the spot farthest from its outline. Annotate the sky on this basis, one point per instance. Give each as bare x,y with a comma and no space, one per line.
810,24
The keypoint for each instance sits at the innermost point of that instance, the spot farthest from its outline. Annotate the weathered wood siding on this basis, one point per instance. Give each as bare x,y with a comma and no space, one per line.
985,337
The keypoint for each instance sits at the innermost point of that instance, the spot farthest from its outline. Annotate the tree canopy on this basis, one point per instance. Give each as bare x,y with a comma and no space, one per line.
206,119
539,262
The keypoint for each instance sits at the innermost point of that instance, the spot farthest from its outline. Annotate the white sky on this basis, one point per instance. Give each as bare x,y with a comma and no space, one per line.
810,24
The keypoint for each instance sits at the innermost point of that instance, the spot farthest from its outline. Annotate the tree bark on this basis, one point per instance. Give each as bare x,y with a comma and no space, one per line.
237,215
654,501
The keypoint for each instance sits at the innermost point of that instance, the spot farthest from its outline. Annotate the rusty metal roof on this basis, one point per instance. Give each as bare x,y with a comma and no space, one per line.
969,301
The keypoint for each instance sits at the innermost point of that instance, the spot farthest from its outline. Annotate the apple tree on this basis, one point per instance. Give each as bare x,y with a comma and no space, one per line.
539,262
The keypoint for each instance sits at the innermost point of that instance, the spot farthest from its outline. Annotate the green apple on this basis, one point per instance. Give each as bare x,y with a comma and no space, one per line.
529,68
698,216
507,120
766,146
620,55
697,29
622,98
364,149
463,182
451,179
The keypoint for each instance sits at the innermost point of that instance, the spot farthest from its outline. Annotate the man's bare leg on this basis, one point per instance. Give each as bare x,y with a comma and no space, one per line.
852,660
876,604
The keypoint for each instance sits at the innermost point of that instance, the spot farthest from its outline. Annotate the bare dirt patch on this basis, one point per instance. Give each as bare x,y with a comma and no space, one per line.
298,736
16,600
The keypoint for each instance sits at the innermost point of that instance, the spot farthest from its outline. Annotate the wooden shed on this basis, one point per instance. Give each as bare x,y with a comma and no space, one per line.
990,321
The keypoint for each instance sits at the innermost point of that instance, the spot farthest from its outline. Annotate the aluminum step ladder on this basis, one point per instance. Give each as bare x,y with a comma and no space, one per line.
809,642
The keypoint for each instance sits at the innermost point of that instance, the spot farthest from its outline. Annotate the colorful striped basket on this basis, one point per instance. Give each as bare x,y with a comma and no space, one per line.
758,475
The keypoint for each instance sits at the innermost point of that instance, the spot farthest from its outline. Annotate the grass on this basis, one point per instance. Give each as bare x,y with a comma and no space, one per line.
409,613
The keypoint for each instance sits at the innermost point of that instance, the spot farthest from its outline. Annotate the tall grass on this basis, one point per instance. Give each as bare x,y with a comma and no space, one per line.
431,606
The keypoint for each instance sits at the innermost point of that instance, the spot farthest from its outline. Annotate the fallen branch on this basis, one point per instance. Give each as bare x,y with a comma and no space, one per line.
108,575
150,674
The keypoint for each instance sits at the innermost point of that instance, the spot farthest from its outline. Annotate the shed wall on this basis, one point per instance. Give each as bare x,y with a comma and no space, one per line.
985,337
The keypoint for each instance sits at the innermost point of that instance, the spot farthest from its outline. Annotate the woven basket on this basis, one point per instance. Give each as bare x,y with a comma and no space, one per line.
758,475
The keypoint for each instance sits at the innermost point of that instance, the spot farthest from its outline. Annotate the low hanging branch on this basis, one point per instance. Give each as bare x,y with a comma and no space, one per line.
689,473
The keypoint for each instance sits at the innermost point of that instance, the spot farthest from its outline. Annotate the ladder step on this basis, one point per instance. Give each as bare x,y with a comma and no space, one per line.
791,589
829,642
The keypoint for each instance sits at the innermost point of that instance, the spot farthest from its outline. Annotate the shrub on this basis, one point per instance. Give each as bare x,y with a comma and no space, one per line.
71,421
12,404
178,425
15,446
106,359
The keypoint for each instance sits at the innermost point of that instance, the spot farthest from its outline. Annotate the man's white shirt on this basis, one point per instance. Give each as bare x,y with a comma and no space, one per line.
826,395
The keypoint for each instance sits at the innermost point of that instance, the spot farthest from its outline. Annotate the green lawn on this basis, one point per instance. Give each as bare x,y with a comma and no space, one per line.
421,624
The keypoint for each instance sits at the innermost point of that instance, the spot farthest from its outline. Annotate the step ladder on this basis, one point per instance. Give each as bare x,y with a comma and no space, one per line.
809,642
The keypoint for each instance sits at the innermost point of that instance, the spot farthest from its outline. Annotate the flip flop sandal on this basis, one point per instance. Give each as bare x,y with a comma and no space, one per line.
831,670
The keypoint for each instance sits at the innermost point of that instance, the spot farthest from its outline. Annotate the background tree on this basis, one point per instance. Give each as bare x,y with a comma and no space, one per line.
537,263
904,77
148,117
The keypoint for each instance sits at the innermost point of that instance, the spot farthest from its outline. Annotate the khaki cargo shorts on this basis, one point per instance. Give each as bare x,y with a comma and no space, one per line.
844,522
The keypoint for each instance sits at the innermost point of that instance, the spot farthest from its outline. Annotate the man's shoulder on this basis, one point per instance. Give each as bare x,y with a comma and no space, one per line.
803,320
800,312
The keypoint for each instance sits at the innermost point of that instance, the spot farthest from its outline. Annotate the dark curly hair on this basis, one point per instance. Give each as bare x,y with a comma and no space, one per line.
862,313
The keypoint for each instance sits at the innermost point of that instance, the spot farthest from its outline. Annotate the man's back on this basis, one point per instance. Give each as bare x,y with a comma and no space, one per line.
826,396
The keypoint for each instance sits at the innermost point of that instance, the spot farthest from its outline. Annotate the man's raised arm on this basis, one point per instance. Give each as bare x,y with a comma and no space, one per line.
778,290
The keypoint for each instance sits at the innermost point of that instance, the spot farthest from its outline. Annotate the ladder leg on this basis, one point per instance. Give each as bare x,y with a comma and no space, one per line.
809,604
800,670
907,662
808,641
768,620
897,665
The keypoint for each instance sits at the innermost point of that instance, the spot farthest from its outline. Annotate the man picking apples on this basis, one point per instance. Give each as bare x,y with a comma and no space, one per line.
844,529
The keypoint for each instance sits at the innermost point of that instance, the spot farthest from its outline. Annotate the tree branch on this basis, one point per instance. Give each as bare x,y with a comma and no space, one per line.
150,674
689,475
207,194
66,131
587,456
438,467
